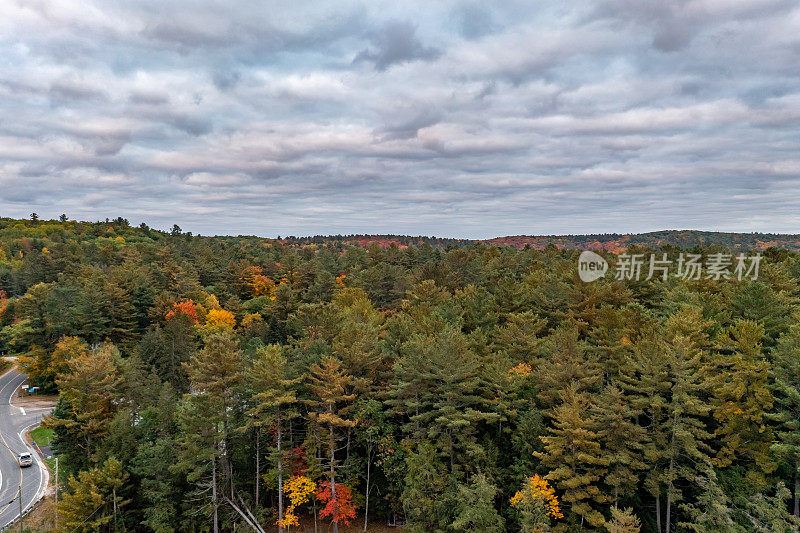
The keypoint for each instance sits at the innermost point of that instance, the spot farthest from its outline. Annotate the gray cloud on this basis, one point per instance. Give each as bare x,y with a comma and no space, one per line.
453,118
64,90
396,42
408,124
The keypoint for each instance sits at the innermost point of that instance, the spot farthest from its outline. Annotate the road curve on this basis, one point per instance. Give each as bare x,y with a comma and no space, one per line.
14,421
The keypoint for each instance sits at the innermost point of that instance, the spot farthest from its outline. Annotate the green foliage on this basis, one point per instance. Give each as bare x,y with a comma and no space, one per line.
712,512
93,500
476,510
573,455
433,377
623,521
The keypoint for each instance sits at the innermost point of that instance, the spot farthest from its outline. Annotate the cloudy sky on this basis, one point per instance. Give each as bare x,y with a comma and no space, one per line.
448,118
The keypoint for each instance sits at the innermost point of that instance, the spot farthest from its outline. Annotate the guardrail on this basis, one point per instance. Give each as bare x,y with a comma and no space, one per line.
25,512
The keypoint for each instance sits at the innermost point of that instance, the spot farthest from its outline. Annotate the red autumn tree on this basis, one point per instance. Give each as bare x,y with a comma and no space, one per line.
339,508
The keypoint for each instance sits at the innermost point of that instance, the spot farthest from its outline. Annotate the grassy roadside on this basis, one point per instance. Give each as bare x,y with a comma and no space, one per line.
44,437
4,366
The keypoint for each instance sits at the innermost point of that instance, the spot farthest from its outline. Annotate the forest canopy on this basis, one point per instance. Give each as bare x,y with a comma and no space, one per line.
446,385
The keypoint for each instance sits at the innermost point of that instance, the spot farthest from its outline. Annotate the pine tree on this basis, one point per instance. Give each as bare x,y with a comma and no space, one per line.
426,480
214,374
520,336
785,386
331,404
445,393
274,400
93,500
476,510
770,514
573,455
565,361
739,377
167,348
712,513
89,387
623,521
355,342
622,442
668,388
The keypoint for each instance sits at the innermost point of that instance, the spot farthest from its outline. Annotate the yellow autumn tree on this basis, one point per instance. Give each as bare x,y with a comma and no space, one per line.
537,504
220,318
299,490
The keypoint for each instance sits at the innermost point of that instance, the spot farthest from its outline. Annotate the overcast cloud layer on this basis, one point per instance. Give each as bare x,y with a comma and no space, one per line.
447,118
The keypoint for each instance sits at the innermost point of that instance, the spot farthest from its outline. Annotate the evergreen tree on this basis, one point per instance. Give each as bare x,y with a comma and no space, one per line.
89,387
573,455
214,374
785,386
565,361
739,377
441,388
475,510
670,390
93,500
425,481
712,513
331,404
770,514
623,521
273,406
622,442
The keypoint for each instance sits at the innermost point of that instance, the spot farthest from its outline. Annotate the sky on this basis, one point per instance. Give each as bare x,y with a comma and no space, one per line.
457,119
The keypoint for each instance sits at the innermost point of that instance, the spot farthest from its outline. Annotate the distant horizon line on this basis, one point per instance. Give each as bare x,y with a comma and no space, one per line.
433,236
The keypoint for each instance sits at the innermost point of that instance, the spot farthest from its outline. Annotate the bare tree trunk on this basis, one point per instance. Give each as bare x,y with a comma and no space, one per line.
658,512
669,494
366,495
258,462
333,476
227,465
246,515
280,481
214,494
669,504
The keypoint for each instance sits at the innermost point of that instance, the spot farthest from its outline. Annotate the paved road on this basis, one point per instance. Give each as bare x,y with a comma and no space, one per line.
13,421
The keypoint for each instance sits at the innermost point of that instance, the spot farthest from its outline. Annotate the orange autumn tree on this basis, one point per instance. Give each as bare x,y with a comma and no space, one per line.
522,370
262,285
537,504
3,296
339,508
188,308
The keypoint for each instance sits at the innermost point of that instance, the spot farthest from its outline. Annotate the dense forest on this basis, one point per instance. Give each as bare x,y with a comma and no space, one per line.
221,383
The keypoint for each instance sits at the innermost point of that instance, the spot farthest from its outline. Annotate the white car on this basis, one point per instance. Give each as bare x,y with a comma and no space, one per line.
25,459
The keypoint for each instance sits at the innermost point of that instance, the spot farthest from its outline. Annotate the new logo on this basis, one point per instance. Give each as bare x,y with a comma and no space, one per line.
591,266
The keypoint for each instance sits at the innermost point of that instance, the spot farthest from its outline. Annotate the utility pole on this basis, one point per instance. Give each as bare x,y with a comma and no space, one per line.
56,493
